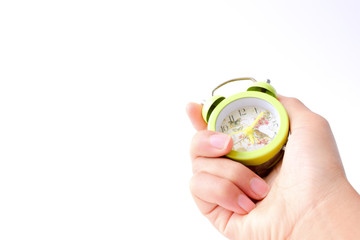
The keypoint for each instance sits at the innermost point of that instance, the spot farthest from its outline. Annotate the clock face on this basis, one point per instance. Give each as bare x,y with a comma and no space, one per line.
252,127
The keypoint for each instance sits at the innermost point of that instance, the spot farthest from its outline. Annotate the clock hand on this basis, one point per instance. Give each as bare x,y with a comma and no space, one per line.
257,119
251,126
249,131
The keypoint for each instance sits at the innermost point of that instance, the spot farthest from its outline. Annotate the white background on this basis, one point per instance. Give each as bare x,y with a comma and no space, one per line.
93,133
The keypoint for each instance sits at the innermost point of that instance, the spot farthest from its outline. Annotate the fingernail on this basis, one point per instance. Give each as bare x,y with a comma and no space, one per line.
220,141
245,203
259,187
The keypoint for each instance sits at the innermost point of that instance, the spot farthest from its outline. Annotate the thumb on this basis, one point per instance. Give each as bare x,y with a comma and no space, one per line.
210,144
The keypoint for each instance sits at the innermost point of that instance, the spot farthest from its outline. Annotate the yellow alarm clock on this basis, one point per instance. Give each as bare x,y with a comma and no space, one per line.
256,121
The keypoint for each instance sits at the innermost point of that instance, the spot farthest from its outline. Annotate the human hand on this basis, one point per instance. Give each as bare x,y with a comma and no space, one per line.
307,189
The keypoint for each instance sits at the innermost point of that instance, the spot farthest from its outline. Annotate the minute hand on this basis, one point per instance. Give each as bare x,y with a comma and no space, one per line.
257,120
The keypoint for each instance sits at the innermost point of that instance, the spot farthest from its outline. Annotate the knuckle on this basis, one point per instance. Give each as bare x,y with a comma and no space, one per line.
318,121
293,101
196,142
196,181
321,120
225,189
191,185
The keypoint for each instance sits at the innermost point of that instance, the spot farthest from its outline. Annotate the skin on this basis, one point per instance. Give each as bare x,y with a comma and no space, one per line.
306,196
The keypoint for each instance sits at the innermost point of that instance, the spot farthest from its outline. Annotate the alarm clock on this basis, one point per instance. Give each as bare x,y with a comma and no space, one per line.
256,121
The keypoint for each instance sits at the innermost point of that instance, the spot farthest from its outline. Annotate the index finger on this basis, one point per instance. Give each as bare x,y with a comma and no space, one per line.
194,112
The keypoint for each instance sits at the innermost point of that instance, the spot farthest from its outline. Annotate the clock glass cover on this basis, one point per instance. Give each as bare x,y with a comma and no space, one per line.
252,127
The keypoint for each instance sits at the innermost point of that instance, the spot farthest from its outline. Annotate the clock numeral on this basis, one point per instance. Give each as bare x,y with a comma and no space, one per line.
242,112
232,119
224,128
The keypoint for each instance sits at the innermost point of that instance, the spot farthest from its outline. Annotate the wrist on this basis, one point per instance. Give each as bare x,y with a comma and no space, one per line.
336,217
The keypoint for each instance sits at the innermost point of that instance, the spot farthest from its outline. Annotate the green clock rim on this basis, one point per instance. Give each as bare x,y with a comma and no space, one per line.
264,154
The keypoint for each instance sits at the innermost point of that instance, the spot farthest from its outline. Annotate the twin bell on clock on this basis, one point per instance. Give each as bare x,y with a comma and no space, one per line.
256,121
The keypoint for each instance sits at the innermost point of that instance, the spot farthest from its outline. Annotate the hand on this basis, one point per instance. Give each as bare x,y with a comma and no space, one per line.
306,196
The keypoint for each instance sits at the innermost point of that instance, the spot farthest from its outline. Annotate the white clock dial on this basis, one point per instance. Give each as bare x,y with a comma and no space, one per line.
251,127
